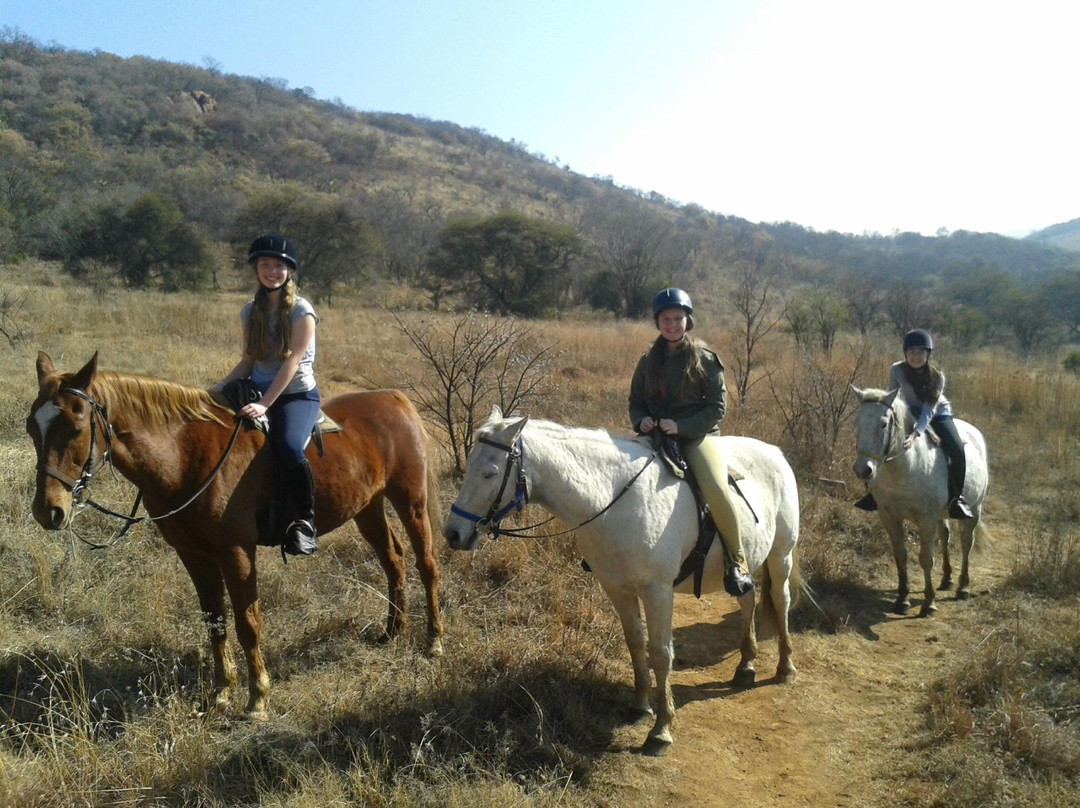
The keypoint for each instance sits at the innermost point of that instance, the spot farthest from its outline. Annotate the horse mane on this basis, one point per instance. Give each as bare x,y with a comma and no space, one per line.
155,401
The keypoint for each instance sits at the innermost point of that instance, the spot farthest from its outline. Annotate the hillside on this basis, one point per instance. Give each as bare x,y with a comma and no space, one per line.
93,146
1064,236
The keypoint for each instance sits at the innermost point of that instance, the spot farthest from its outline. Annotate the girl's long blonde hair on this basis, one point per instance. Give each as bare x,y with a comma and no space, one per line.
257,334
654,366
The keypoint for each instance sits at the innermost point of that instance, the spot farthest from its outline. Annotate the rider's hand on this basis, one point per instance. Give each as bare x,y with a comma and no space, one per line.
909,440
646,425
253,410
669,427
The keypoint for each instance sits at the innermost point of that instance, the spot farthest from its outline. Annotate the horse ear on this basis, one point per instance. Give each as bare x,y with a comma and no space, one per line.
889,399
496,413
858,393
44,367
86,375
515,429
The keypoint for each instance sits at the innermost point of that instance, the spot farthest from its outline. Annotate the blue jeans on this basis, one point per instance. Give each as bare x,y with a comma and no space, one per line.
292,417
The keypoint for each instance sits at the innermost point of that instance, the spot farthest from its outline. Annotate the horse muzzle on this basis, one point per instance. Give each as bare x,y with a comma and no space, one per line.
864,468
457,538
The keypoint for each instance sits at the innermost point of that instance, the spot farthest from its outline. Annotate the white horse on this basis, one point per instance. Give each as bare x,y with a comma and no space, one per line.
912,485
635,523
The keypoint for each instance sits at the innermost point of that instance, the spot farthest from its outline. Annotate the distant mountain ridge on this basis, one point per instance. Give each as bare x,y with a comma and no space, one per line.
1065,236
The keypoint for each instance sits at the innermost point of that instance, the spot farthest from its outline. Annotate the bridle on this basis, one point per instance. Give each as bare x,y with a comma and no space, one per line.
80,488
893,441
515,455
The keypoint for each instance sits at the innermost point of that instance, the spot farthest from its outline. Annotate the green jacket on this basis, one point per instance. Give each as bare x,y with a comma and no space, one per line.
696,408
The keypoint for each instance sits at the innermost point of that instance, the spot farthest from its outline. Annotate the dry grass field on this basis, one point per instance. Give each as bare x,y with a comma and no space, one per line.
105,674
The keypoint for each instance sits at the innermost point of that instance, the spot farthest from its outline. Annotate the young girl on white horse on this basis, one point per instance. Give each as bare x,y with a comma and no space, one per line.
678,390
922,388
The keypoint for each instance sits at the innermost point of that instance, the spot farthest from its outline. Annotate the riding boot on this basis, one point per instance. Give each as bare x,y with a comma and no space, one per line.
956,464
737,579
300,534
270,521
867,503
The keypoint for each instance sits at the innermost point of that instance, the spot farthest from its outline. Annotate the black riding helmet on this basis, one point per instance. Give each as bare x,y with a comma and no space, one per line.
274,246
918,338
672,298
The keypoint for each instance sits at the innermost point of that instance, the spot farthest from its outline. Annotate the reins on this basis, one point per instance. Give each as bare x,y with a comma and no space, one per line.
80,496
491,521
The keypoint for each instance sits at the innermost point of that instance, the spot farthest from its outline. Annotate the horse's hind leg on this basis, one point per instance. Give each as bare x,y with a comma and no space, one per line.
946,562
210,588
391,554
779,580
412,510
745,673
967,541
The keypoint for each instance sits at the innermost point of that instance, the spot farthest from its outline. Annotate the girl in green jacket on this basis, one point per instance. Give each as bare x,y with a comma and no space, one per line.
678,391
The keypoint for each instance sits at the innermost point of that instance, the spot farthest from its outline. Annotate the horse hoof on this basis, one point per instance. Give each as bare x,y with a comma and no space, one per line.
434,649
744,678
786,676
962,594
255,715
656,747
928,610
901,607
945,586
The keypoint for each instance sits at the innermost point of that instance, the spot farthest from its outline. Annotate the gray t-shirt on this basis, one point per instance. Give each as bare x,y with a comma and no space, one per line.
265,370
927,410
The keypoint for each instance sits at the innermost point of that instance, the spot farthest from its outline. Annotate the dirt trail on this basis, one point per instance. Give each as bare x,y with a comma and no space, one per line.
835,737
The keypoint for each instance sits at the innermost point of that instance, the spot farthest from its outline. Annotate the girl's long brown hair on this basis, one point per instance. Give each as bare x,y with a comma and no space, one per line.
658,356
257,335
927,381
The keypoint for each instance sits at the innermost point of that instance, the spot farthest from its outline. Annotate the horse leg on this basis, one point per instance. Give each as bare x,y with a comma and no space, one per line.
238,568
210,589
895,528
748,650
391,554
967,540
659,605
927,544
946,562
412,510
629,611
780,592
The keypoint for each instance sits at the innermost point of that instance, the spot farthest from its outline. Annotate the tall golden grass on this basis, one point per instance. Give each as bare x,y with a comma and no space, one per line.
104,671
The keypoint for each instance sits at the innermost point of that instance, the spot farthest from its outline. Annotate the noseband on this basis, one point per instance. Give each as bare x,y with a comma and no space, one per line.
514,455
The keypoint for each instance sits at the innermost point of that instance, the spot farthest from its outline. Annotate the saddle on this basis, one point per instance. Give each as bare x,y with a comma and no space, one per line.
240,392
694,564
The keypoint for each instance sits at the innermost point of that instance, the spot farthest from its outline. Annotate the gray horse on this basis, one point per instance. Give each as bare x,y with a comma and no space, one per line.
911,485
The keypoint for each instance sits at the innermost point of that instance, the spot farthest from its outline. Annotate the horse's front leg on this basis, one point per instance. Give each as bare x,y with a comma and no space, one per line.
659,605
629,611
894,526
745,672
210,589
927,545
238,568
946,563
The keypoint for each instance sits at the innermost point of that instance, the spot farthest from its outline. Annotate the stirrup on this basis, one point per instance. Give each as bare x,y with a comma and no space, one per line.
299,538
737,582
959,509
867,503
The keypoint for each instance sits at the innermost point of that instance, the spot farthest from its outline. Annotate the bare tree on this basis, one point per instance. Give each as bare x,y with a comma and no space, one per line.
476,362
759,308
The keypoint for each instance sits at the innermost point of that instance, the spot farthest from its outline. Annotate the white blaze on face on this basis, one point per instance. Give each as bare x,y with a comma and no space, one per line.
45,415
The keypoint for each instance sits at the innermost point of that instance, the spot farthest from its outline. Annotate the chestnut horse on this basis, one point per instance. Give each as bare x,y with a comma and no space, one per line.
169,440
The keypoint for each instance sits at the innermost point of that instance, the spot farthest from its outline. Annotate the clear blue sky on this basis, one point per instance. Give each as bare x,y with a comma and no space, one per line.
849,115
